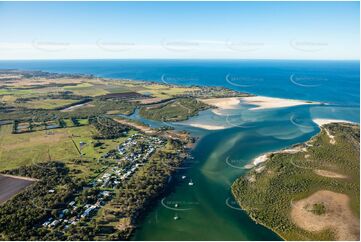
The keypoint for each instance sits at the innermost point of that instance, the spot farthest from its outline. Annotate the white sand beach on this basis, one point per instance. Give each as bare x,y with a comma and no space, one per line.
223,103
207,126
260,159
261,102
321,121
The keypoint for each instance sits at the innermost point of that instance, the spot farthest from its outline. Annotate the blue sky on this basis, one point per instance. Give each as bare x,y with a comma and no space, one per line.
235,30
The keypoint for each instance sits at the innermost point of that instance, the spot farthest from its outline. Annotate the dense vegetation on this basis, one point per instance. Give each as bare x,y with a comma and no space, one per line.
108,128
141,189
175,110
96,107
68,118
20,216
267,196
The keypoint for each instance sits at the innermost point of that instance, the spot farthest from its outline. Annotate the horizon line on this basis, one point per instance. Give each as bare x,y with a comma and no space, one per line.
179,59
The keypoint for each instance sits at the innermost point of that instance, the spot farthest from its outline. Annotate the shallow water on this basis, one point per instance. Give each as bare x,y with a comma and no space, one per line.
206,210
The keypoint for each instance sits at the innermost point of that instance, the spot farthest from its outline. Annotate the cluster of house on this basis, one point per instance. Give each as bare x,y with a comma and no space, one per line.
210,92
134,158
108,180
73,213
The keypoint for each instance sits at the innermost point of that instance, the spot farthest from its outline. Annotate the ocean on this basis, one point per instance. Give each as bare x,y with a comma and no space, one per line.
206,210
328,81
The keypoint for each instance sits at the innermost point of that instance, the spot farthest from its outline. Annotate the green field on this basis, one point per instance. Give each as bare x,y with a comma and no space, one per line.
47,103
35,147
59,129
14,92
268,196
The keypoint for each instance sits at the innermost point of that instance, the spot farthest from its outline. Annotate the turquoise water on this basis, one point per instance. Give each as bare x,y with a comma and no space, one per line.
329,81
206,210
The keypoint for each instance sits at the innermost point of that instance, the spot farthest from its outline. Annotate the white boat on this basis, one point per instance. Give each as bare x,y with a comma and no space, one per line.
183,177
190,183
176,217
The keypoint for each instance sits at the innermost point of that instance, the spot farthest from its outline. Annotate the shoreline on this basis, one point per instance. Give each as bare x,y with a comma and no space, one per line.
298,147
207,126
321,122
262,104
255,220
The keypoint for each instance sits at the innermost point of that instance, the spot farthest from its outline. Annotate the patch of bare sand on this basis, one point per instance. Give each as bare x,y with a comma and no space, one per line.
330,174
19,177
322,121
124,223
207,126
223,103
263,102
330,136
294,150
77,106
138,126
338,215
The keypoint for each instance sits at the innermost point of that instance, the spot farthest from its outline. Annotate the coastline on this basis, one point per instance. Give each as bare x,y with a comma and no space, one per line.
299,147
321,122
258,222
235,103
254,167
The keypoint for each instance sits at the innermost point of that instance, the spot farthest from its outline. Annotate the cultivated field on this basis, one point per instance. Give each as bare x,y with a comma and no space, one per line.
9,186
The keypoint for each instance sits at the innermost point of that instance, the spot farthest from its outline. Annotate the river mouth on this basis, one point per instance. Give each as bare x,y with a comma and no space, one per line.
206,210
200,205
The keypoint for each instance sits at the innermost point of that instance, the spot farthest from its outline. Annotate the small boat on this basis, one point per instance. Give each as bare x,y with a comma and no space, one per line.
190,183
183,177
176,205
176,217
